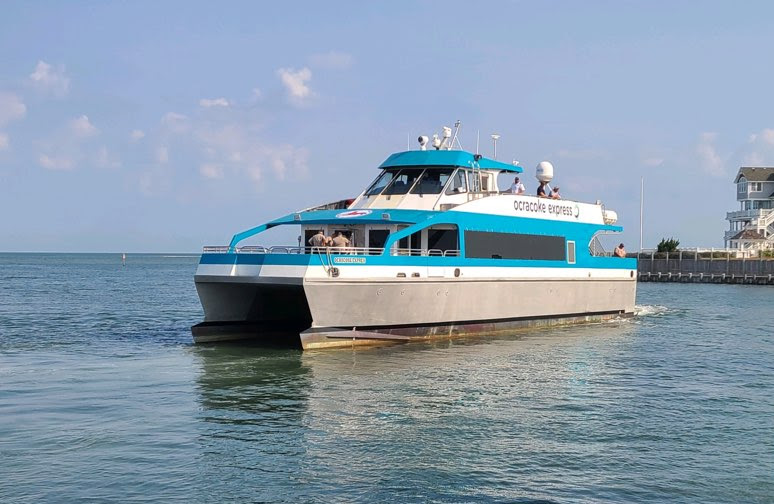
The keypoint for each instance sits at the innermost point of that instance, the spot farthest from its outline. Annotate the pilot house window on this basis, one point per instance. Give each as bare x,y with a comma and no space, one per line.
432,181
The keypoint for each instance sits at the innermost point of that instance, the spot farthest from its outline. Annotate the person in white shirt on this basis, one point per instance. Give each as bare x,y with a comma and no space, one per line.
517,187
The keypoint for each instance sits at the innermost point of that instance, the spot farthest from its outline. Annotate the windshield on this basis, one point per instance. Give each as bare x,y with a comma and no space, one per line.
380,183
403,181
432,181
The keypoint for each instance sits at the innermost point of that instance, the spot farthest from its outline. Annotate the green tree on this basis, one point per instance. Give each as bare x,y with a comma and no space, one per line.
669,245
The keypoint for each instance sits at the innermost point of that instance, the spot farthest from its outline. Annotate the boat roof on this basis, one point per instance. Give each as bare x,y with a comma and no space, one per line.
446,158
357,216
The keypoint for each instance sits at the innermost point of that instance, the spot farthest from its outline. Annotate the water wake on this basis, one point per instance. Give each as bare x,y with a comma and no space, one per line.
650,310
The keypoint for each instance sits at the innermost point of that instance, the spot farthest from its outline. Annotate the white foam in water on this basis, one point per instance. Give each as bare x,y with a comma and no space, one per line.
649,310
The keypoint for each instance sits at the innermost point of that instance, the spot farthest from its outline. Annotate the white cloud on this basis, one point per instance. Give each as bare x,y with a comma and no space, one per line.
103,159
257,94
212,171
176,123
56,162
759,149
767,136
11,108
50,79
233,147
81,127
162,155
4,142
214,102
334,60
137,135
709,159
295,82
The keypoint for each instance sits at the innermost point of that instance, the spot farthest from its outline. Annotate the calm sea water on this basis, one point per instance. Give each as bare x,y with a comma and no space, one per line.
103,398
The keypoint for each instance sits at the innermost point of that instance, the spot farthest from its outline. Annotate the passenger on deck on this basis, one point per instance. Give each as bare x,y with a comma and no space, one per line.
620,251
554,193
340,241
541,190
318,240
517,187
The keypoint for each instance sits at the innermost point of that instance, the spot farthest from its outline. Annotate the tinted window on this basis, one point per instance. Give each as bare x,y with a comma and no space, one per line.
403,181
432,181
380,183
486,245
442,239
458,184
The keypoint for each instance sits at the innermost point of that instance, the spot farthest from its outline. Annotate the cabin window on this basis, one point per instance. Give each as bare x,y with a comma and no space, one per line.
403,181
741,186
432,181
411,244
439,241
380,183
458,183
755,187
486,182
377,238
571,252
489,245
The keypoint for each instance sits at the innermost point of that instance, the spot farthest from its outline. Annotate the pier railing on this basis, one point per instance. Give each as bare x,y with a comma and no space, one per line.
708,265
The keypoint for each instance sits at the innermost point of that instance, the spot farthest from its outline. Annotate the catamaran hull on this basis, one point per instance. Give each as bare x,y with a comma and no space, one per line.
235,309
328,312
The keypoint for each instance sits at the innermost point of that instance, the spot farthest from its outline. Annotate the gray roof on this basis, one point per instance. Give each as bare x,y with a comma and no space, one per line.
756,173
748,234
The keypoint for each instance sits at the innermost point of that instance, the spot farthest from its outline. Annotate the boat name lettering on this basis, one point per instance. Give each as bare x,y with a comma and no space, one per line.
549,208
349,260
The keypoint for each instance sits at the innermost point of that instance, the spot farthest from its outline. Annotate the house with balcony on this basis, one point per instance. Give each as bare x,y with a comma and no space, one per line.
751,228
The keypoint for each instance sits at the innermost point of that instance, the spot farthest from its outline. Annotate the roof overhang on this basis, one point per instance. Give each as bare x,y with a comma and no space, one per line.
446,158
357,216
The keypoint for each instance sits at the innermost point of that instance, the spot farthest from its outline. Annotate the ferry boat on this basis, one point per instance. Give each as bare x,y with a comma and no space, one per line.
436,250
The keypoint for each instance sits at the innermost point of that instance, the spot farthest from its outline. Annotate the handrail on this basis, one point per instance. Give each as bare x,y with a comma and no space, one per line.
328,251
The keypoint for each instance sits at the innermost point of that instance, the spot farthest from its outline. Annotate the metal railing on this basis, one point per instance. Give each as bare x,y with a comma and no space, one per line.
698,253
351,251
747,214
425,252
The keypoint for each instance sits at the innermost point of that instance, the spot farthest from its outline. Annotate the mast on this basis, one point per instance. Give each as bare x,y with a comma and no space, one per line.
642,195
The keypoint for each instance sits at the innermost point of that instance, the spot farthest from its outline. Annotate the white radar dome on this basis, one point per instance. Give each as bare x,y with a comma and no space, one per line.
544,171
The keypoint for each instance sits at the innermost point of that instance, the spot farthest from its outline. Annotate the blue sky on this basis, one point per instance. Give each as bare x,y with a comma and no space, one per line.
165,126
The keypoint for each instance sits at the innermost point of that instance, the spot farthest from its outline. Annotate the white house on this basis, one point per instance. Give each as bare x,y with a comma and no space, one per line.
752,226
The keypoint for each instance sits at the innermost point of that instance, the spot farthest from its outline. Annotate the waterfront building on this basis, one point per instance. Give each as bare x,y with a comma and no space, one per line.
751,228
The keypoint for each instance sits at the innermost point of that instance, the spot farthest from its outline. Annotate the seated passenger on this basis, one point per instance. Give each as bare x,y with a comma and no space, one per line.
541,190
620,251
554,193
